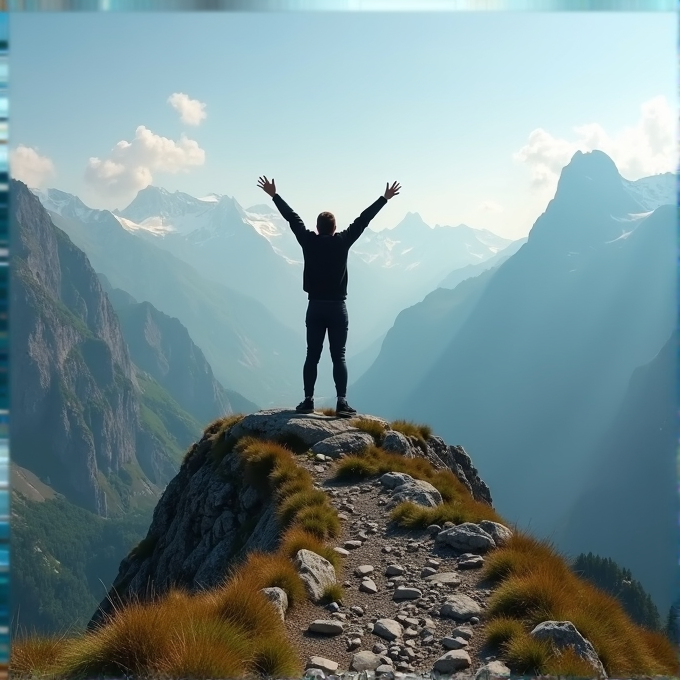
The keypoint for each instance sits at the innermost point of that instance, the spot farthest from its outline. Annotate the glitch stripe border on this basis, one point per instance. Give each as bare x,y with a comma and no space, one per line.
4,352
341,5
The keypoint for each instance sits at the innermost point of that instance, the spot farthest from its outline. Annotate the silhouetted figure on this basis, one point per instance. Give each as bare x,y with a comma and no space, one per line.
325,282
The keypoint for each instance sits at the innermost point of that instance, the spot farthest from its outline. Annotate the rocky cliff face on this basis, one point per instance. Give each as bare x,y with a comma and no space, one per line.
74,388
160,345
208,519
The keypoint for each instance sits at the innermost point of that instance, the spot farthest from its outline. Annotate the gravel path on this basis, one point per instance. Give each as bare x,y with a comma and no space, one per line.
363,508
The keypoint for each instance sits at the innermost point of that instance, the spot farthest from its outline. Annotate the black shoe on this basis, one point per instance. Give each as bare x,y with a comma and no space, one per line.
306,406
344,410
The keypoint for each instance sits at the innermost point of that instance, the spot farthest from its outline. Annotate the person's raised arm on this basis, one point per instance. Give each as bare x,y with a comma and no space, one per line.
352,233
296,224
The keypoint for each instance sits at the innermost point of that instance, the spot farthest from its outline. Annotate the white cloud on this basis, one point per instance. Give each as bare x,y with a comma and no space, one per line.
27,165
191,111
491,206
131,165
647,148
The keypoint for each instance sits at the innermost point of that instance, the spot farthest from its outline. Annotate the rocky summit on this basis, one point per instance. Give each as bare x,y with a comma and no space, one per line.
400,600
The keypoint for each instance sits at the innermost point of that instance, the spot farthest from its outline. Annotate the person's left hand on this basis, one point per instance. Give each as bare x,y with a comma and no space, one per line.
269,187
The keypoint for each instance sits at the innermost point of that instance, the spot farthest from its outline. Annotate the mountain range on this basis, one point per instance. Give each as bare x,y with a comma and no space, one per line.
522,352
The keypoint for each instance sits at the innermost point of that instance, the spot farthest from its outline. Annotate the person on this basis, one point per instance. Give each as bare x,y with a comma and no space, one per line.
324,280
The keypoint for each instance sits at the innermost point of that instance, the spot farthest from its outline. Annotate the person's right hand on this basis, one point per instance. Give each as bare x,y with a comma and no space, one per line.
268,186
391,190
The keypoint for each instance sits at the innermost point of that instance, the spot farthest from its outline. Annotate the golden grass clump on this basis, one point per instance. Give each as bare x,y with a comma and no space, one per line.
502,629
328,411
411,429
373,427
525,654
459,506
293,504
296,539
35,654
536,585
205,648
273,570
274,657
333,593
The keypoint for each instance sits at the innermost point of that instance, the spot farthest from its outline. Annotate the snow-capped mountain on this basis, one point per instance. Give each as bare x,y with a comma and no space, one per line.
651,192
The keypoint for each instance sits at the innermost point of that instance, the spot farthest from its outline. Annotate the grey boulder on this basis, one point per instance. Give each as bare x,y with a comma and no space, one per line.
460,607
468,536
278,597
343,443
564,634
316,572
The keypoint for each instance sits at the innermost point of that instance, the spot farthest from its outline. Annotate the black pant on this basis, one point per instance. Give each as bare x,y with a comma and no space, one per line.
325,315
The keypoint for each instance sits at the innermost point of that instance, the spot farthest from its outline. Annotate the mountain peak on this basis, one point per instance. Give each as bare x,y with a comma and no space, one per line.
412,220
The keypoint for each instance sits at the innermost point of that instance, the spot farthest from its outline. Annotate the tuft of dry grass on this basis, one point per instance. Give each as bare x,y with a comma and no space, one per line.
502,629
289,509
333,593
321,521
328,411
205,648
525,654
296,539
459,505
274,657
411,429
219,446
536,585
273,570
568,664
372,427
35,654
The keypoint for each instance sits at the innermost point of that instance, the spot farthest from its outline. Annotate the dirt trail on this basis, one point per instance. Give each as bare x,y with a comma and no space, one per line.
409,549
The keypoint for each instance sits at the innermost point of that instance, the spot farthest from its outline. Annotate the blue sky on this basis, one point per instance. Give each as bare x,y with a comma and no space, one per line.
474,113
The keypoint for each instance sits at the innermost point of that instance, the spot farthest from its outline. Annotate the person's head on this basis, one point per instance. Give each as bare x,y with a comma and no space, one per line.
325,224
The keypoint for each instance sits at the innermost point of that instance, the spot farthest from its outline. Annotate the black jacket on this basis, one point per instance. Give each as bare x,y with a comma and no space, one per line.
325,273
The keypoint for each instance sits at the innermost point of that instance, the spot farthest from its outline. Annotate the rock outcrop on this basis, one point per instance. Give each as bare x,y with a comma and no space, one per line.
71,370
208,519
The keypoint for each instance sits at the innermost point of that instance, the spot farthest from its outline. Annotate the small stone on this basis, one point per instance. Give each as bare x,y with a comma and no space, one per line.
333,607
455,660
434,564
385,671
492,670
460,607
343,516
449,578
387,549
379,648
326,627
353,644
364,570
433,529
474,619
356,609
368,586
394,570
320,457
352,545
462,632
406,593
341,551
365,661
454,643
427,571
316,673
324,664
473,562
388,629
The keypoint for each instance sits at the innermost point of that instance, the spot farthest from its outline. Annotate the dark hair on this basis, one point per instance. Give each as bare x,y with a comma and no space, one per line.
325,223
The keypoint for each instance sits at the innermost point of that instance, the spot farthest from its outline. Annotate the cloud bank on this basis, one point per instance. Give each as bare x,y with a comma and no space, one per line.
647,148
27,165
191,111
130,165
